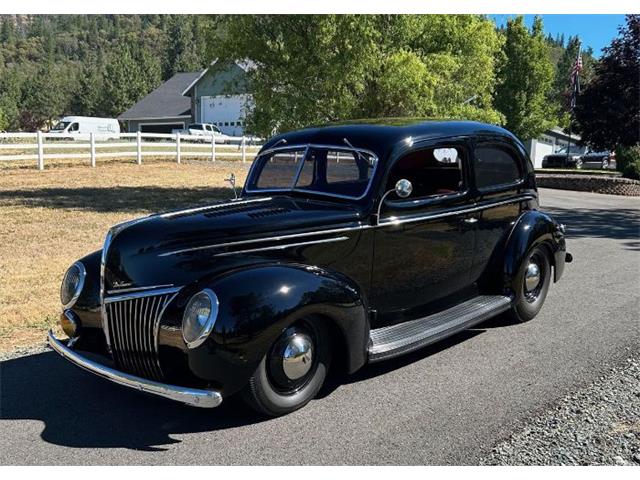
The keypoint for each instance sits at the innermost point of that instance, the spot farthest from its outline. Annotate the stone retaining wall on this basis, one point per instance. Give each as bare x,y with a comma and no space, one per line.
590,183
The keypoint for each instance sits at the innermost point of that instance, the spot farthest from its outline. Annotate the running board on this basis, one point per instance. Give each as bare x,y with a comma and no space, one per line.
395,340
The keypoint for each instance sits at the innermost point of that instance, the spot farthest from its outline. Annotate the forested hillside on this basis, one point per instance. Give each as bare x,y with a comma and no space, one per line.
312,69
90,64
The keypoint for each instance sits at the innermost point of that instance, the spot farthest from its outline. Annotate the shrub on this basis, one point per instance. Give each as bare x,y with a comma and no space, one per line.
628,161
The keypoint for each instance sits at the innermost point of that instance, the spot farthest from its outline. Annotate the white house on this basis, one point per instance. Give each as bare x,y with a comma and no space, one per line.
219,95
549,142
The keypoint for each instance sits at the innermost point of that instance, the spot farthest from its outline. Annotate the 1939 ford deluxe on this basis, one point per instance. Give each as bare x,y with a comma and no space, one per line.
354,243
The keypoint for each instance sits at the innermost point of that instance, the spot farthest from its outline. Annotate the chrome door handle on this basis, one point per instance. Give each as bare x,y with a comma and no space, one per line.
470,220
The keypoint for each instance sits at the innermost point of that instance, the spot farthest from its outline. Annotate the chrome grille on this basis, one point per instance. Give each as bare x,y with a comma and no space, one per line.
133,322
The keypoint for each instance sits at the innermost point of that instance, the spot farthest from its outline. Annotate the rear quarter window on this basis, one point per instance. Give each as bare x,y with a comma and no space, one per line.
496,165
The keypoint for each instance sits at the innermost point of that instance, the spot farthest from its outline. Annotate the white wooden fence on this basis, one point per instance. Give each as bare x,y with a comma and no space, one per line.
41,146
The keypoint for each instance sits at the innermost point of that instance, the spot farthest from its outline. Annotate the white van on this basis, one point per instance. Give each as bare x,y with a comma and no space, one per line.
82,127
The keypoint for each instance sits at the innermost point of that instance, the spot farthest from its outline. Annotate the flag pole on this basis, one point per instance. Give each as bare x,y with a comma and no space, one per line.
575,88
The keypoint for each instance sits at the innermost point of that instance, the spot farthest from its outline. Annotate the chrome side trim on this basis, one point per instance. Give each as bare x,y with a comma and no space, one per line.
146,293
137,289
190,396
214,206
282,247
391,221
265,239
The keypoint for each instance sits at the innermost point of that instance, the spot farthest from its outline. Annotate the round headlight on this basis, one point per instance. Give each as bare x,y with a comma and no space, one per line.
72,284
199,317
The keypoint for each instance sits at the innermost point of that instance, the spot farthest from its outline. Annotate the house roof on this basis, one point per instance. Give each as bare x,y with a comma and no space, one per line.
166,101
245,65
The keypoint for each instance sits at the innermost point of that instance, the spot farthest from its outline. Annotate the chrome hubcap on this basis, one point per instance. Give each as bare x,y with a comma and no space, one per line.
532,277
297,357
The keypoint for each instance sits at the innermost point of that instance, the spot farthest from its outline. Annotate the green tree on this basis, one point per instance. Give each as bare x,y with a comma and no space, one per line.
562,82
317,69
524,90
608,110
130,74
45,96
182,53
88,99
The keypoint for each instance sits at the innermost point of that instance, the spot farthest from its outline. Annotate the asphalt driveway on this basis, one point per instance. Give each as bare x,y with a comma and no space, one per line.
449,403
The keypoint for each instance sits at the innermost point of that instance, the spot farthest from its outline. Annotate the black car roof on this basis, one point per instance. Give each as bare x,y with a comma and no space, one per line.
382,135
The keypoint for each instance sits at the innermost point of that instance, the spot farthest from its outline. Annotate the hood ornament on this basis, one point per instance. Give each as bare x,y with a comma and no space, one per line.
232,182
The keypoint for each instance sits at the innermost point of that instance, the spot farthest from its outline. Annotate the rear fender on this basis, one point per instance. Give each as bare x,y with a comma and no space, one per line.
533,228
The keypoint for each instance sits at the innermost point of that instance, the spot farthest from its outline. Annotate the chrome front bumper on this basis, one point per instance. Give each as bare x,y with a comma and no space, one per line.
190,396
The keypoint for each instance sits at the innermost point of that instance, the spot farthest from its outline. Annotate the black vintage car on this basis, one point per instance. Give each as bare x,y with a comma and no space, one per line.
349,244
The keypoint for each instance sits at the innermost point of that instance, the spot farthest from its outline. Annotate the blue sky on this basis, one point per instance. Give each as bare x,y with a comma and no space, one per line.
595,31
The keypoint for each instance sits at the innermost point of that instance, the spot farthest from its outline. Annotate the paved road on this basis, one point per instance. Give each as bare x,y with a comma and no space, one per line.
446,404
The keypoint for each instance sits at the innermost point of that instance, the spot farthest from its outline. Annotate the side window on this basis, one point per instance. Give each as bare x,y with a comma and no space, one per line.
74,127
432,171
495,165
279,170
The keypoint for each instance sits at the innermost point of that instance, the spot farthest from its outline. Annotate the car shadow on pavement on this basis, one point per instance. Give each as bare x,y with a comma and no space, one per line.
83,411
618,224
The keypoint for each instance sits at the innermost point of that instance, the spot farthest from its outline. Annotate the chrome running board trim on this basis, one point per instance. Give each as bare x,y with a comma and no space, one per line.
395,340
190,396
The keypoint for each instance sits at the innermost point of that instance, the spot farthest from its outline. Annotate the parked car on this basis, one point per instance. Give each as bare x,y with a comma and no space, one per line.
579,157
349,244
598,160
80,128
205,130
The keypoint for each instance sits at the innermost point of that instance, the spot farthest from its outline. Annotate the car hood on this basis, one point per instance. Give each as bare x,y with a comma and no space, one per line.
175,248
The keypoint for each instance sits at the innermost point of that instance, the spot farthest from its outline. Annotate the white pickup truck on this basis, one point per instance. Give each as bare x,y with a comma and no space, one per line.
206,130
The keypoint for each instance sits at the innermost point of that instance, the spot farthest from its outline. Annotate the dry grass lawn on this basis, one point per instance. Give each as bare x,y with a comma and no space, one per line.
49,219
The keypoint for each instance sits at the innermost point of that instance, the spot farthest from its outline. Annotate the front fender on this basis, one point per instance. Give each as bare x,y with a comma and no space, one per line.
533,228
258,303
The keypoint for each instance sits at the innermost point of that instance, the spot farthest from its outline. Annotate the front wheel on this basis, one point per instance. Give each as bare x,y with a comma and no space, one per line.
293,370
605,163
531,285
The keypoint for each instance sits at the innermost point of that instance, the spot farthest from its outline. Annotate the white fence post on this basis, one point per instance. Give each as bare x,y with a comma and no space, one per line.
213,148
92,141
139,147
178,147
40,152
244,148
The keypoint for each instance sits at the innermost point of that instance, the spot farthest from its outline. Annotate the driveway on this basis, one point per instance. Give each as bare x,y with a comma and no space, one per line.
449,403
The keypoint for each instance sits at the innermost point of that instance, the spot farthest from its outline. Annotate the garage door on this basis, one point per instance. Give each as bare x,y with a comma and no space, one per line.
161,128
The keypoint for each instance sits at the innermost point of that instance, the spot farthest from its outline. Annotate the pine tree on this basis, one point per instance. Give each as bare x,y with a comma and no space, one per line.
526,79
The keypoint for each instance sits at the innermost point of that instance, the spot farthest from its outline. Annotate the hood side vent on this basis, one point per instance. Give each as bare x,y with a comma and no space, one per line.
268,212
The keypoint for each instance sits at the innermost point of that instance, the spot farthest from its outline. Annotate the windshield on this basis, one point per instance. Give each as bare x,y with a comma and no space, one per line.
572,149
334,171
60,126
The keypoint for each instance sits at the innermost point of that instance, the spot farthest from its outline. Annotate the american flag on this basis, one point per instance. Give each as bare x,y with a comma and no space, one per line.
575,79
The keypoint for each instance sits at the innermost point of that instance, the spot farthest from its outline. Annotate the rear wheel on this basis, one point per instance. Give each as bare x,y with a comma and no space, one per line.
579,163
532,284
293,370
605,163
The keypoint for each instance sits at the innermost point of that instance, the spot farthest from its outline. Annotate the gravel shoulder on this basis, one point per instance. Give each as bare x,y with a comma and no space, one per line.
597,425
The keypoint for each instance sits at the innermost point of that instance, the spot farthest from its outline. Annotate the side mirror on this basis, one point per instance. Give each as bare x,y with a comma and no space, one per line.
403,188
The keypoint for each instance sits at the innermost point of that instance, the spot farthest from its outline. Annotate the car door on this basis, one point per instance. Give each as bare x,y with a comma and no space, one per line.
423,245
499,172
